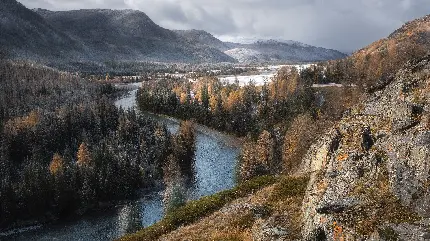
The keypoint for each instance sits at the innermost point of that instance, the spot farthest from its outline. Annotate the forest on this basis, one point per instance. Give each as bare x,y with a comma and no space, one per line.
278,120
281,119
66,148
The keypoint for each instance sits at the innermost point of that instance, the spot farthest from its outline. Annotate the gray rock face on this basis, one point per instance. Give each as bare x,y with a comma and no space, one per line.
378,174
269,230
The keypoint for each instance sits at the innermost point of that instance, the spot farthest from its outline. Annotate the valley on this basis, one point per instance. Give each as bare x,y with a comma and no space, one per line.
216,156
125,124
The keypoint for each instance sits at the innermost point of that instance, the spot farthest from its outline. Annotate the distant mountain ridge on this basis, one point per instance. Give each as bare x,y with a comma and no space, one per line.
26,34
263,50
280,51
100,35
128,35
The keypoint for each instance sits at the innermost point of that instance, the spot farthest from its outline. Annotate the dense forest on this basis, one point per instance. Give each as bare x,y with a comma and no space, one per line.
65,147
279,120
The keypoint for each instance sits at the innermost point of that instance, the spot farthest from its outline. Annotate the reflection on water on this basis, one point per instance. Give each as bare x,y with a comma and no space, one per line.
215,164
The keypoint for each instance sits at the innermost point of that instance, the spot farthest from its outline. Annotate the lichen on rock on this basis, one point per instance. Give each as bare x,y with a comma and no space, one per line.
376,181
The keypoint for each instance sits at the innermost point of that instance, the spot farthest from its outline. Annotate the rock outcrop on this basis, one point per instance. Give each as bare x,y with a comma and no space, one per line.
370,174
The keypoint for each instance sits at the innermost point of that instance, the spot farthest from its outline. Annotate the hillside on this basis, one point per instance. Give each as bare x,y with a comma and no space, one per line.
386,56
128,35
263,51
26,35
369,172
281,51
368,169
200,37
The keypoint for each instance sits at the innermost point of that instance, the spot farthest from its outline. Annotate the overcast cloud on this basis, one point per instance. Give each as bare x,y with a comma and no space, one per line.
339,24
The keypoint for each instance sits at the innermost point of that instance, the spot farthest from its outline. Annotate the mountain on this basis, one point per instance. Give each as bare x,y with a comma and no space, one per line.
281,51
200,37
257,50
27,35
386,56
128,35
94,36
101,35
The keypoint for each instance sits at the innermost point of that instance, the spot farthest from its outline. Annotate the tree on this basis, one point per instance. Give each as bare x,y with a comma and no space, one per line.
86,176
265,150
298,140
83,155
57,165
185,147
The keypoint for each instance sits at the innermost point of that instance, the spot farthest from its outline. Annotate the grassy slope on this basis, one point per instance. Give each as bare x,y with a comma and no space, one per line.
282,195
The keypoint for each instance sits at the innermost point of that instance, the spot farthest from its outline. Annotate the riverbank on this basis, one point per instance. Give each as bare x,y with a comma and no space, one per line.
215,171
22,226
230,139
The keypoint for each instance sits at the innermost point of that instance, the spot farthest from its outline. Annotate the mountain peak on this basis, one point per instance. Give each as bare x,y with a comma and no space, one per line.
128,35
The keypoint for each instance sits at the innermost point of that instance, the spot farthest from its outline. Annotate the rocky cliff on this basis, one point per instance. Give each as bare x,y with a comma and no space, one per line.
369,175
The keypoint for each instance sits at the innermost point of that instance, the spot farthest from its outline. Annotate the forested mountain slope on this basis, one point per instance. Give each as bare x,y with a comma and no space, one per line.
125,35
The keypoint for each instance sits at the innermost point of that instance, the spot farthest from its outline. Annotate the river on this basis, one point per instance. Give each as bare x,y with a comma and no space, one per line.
216,155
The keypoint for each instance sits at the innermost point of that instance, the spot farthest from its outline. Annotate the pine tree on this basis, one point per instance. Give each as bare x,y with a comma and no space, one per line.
83,156
185,147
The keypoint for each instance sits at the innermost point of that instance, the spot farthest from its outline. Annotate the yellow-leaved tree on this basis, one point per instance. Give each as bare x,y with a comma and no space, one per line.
83,156
57,165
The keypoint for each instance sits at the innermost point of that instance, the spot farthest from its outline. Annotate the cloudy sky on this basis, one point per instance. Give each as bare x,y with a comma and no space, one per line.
339,24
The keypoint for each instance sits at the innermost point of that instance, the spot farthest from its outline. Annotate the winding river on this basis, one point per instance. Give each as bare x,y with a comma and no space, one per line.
215,167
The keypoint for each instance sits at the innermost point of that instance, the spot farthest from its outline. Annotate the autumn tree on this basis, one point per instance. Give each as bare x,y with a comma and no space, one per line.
297,141
57,165
257,158
184,147
265,149
83,156
86,176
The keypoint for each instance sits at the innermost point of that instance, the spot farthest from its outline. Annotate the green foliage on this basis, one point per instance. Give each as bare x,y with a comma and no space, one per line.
388,234
197,209
289,187
177,199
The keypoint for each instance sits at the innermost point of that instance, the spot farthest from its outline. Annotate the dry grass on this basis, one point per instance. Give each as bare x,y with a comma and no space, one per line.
280,202
195,210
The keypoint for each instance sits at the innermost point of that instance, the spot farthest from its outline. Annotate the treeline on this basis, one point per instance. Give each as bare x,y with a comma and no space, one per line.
229,107
65,147
27,86
148,69
262,114
178,170
279,120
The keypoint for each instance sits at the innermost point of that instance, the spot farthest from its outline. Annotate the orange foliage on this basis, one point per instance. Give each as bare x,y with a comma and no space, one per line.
57,164
84,158
338,232
342,157
23,123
